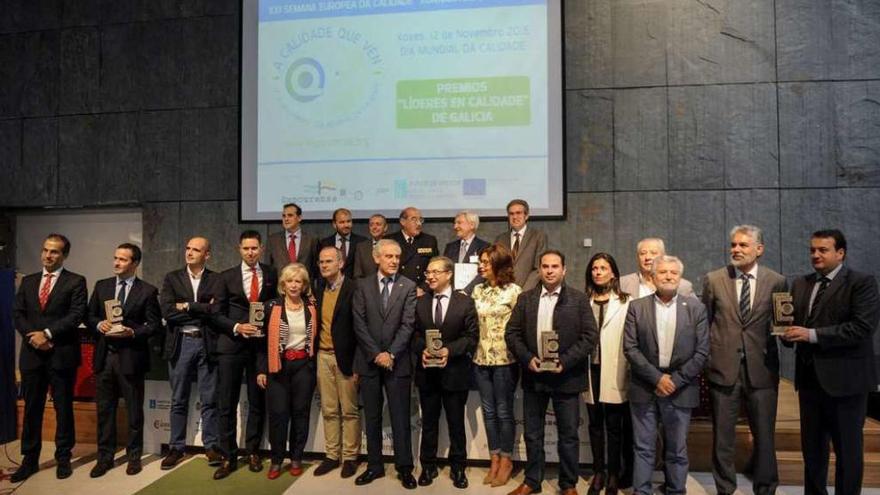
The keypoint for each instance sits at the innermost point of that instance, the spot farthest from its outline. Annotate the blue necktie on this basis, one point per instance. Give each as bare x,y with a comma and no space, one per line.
121,297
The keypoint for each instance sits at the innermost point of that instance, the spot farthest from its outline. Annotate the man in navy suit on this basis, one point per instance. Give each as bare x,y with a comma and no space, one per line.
666,341
384,313
836,311
238,345
122,355
343,239
49,307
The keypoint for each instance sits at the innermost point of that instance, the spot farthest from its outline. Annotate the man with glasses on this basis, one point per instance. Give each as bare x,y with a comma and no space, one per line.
416,247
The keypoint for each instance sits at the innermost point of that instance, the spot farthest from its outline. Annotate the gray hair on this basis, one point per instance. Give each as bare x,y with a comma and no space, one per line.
750,230
377,248
665,258
651,239
448,265
470,217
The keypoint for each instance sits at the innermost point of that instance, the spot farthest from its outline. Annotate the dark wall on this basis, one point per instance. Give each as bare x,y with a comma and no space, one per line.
684,117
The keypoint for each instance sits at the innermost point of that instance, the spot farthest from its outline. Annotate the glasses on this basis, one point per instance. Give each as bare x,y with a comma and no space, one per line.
429,273
415,219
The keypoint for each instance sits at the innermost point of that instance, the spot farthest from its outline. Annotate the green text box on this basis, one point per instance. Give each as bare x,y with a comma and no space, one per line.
464,102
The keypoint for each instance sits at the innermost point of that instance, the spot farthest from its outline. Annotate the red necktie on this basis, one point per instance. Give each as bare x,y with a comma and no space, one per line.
44,291
291,249
255,286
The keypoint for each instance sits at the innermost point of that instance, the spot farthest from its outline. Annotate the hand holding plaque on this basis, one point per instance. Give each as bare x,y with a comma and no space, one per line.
113,314
433,345
783,312
549,351
257,318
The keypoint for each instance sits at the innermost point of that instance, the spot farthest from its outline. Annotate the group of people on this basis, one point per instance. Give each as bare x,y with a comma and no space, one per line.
359,318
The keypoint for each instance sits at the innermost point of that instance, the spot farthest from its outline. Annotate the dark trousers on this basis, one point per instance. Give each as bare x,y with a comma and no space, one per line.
675,421
761,407
230,368
566,408
605,420
432,398
398,391
840,420
192,362
289,395
34,386
110,385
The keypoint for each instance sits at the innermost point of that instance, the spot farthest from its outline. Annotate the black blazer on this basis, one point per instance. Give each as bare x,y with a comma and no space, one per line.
574,322
176,288
234,307
342,330
845,321
460,334
65,309
353,241
140,313
414,258
452,249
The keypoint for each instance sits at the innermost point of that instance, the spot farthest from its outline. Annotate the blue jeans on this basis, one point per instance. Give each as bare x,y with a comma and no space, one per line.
497,385
192,360
675,428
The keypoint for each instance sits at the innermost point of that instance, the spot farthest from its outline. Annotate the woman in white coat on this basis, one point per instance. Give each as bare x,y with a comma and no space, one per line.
606,396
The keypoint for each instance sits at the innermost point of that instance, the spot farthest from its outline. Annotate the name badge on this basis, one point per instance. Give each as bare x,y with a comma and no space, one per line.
425,250
474,258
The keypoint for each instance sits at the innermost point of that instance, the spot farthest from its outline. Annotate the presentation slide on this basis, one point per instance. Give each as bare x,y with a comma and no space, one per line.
375,105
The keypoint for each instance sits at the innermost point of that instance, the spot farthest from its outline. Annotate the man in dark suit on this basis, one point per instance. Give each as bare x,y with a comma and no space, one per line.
187,302
466,248
384,313
239,343
49,307
122,355
744,359
292,245
666,341
363,252
524,243
444,384
836,311
343,239
337,382
552,307
416,247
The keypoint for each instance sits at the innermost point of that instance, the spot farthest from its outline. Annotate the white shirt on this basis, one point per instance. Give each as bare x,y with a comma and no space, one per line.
296,234
665,316
52,281
247,274
753,284
546,305
522,235
195,281
339,241
444,302
296,323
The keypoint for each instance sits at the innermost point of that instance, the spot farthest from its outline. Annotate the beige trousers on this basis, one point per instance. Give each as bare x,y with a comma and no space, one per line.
339,407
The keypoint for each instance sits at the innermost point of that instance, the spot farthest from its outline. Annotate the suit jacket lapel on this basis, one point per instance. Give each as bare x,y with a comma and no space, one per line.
614,306
762,289
396,293
132,293
730,290
652,322
835,284
681,321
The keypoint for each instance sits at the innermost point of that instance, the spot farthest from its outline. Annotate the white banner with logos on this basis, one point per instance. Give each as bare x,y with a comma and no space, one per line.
157,427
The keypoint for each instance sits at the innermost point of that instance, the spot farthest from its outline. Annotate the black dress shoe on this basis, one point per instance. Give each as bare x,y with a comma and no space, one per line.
225,470
101,469
349,468
369,476
459,479
25,471
63,470
326,466
612,485
597,484
215,458
255,463
428,474
134,467
407,480
172,459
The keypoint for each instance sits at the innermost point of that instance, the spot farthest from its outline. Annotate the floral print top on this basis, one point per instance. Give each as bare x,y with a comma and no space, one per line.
494,306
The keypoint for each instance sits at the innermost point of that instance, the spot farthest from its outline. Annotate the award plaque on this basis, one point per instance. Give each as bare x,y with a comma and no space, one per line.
783,312
433,343
549,351
113,314
257,317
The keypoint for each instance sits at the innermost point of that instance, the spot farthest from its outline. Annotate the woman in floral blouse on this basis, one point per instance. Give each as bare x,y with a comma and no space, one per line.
497,371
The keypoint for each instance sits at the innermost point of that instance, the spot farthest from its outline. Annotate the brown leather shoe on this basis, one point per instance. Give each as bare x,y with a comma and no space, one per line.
570,491
225,470
215,458
172,459
134,467
522,489
493,470
255,463
505,469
